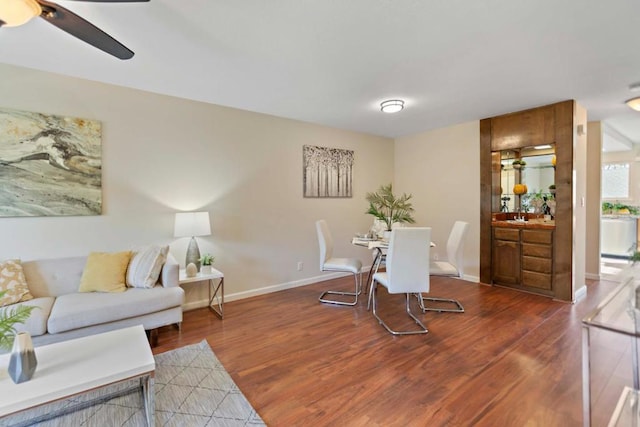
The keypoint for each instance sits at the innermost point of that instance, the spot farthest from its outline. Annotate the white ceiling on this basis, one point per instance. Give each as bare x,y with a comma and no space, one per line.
332,62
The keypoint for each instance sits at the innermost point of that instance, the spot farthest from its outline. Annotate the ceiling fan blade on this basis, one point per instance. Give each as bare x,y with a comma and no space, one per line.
82,29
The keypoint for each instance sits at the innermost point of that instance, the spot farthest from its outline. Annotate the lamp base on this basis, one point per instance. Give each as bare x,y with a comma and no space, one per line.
193,254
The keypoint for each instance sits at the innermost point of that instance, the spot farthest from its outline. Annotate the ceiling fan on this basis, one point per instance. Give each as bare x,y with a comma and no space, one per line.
17,12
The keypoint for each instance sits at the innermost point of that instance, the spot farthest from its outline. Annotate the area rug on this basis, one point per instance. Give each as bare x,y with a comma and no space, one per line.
192,388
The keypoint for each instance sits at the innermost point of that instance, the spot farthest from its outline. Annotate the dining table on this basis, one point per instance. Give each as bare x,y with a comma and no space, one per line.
379,245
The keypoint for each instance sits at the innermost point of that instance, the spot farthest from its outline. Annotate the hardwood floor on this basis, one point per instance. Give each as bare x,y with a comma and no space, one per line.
512,359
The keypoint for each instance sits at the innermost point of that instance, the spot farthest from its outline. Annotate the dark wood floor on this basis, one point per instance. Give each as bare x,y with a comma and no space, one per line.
512,359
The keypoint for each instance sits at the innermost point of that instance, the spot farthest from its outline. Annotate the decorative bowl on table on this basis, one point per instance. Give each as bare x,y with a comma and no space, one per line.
366,236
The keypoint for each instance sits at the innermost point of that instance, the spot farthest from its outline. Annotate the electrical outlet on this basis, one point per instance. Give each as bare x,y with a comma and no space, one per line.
300,265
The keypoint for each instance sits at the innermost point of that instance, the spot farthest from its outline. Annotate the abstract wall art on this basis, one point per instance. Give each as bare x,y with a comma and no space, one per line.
327,172
49,165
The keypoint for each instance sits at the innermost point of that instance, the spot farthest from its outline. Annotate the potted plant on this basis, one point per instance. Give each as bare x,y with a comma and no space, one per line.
518,164
388,208
552,189
537,201
8,319
206,260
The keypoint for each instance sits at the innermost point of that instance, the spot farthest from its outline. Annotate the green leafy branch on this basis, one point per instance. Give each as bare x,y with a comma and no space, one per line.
387,208
9,317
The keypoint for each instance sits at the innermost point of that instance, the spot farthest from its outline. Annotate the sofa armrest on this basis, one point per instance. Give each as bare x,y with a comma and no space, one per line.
170,272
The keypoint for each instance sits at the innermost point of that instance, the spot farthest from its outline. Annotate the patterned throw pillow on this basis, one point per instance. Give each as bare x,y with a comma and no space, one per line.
14,284
145,266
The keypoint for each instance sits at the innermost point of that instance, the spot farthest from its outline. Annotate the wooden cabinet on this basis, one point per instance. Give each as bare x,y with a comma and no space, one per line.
536,127
545,268
537,258
506,256
523,258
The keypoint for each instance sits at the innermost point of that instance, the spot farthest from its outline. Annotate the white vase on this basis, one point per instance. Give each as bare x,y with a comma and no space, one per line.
22,362
205,269
379,227
552,207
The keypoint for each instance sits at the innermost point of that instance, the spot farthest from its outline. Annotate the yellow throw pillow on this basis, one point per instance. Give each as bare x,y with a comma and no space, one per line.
105,272
13,283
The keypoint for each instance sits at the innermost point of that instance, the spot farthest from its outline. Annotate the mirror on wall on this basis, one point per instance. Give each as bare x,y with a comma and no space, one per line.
532,166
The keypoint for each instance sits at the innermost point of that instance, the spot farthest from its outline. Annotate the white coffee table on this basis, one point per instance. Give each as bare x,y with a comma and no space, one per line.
76,366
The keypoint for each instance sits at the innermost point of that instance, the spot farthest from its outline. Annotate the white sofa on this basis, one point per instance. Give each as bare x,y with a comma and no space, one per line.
64,313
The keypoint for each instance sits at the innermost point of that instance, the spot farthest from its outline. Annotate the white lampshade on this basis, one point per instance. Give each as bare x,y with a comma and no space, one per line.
190,224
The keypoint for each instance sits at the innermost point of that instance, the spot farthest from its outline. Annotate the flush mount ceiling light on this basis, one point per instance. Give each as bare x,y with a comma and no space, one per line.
17,12
633,103
392,106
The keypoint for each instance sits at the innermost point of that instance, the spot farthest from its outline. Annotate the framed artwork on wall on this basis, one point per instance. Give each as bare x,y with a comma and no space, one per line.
49,165
327,172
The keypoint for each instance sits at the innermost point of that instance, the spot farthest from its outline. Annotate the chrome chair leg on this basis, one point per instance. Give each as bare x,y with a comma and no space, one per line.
374,267
423,329
457,307
377,260
358,291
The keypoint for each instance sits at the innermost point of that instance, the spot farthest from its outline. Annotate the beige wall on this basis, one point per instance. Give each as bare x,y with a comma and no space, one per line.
579,201
594,150
441,169
164,154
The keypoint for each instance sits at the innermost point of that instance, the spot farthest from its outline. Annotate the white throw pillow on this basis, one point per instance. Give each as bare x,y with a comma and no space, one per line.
145,266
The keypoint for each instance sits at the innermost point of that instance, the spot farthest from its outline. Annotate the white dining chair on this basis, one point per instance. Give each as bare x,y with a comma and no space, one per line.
407,271
451,267
329,263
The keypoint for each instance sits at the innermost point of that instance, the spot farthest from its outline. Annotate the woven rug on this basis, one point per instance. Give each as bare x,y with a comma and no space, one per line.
192,388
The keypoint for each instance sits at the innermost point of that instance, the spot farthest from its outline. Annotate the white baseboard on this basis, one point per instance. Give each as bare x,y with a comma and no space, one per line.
267,289
192,305
592,276
580,293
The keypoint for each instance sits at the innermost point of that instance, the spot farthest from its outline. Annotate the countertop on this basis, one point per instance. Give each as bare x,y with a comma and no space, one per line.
532,223
620,216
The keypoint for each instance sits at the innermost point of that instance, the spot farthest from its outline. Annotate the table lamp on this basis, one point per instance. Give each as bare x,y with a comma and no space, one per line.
192,224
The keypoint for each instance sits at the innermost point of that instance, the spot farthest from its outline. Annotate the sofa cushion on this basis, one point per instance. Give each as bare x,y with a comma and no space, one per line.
36,324
55,276
13,283
79,310
105,272
145,265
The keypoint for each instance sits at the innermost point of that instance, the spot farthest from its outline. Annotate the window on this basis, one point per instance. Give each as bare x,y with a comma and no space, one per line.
615,181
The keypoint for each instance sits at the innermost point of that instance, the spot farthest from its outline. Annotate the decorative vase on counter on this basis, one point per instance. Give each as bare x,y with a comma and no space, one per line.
22,362
205,269
552,207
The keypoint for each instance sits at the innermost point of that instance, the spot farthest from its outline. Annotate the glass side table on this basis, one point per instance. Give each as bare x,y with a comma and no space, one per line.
215,280
617,313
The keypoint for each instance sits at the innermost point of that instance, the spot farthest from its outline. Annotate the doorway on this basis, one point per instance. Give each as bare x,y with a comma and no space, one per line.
620,195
